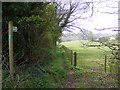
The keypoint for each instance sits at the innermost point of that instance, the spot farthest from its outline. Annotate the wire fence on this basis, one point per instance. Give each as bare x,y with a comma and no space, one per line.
101,63
69,53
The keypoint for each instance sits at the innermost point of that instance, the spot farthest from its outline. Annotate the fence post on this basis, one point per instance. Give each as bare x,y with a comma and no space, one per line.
71,57
10,38
75,59
105,63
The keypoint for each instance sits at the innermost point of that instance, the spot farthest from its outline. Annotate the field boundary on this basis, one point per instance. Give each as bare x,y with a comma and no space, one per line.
71,55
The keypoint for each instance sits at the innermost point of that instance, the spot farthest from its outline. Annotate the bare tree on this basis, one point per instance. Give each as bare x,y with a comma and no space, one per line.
85,10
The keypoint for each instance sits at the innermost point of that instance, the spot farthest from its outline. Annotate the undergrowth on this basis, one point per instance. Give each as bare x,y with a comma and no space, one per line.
36,76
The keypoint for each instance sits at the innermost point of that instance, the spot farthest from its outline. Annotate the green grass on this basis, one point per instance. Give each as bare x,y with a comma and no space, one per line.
87,79
54,75
89,72
89,57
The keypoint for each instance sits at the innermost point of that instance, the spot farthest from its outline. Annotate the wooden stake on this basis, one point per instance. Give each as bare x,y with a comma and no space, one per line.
75,59
10,38
71,57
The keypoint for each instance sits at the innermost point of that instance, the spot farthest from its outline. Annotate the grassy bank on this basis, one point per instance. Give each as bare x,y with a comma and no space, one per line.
35,76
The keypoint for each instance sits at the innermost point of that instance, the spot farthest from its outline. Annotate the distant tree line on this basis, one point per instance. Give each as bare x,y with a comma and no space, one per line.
89,35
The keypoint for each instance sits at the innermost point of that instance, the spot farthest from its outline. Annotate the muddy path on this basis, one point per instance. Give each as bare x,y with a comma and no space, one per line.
70,78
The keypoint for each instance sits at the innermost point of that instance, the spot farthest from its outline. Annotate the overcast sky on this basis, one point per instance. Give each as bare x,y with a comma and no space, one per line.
104,16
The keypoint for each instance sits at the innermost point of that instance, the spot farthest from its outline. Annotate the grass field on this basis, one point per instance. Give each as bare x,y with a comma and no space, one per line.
90,57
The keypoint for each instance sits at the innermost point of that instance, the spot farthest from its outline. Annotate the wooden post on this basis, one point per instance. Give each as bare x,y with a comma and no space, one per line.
75,59
10,38
105,63
71,57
